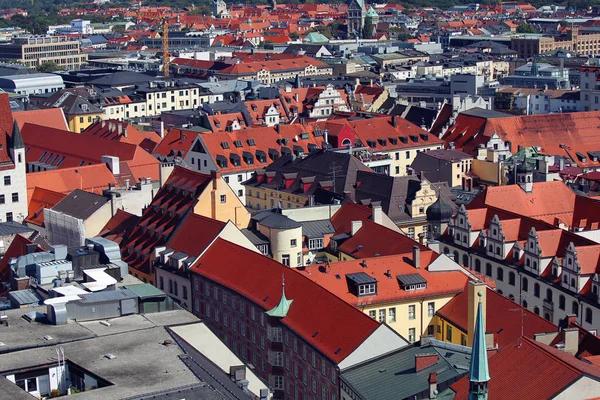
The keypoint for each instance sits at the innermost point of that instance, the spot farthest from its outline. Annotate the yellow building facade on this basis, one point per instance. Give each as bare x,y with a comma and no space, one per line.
79,122
219,202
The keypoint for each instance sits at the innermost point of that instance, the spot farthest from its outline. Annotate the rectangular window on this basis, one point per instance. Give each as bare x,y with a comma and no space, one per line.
382,315
293,243
463,340
285,259
430,309
278,382
372,314
411,312
369,288
449,333
411,232
411,335
223,198
9,217
315,244
276,335
392,315
185,294
7,180
2,199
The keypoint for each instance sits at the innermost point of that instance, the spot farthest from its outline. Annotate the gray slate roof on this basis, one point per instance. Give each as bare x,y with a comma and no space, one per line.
393,376
317,229
13,228
80,204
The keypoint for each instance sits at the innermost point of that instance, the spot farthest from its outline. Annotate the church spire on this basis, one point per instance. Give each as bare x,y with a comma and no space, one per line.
17,138
281,309
478,370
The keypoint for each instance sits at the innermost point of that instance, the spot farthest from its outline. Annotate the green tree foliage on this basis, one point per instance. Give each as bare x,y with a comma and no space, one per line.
525,28
367,29
48,66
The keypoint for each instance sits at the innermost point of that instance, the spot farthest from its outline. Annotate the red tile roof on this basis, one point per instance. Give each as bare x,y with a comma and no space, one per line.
49,145
39,199
169,208
317,315
388,288
91,178
379,134
264,138
122,132
6,125
503,317
49,117
119,226
298,63
195,234
551,202
258,108
527,369
176,143
578,133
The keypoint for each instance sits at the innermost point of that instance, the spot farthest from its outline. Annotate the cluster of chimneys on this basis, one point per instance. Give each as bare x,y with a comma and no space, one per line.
115,126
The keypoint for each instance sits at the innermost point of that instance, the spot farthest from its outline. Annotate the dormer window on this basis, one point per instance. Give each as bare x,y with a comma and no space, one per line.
410,282
361,284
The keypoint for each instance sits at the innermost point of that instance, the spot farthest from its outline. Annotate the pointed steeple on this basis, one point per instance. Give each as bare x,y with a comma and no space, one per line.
298,82
16,138
281,309
478,370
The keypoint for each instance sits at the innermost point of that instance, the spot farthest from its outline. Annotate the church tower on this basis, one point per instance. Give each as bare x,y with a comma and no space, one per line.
356,18
479,374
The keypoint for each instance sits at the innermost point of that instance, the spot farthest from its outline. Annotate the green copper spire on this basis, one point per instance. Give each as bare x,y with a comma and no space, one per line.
478,370
371,13
281,310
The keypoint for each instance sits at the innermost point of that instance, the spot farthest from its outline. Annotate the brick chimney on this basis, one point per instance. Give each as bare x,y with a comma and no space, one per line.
432,385
473,288
425,360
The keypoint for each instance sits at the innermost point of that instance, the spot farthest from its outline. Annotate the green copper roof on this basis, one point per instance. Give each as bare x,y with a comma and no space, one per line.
478,370
371,13
281,310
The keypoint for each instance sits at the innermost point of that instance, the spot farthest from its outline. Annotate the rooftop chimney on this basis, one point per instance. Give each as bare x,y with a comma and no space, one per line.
473,288
433,385
425,360
356,225
112,163
571,340
416,257
378,214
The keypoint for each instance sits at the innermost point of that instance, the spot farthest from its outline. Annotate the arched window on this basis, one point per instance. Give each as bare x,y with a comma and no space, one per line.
456,256
547,316
498,250
565,279
19,158
575,308
446,250
477,265
588,315
536,290
594,289
524,303
528,178
535,265
488,269
561,302
465,239
500,274
500,292
549,295
466,260
573,282
511,278
525,284
346,142
536,310
510,296
527,263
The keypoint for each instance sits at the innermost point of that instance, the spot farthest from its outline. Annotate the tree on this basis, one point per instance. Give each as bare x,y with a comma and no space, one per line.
118,28
367,31
525,28
48,66
294,35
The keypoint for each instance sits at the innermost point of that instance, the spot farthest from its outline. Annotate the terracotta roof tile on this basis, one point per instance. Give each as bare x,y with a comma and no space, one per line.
503,317
41,198
318,316
91,178
532,370
49,117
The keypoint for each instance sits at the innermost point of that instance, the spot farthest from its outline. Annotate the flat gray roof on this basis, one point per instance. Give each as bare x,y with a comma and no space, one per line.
142,364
